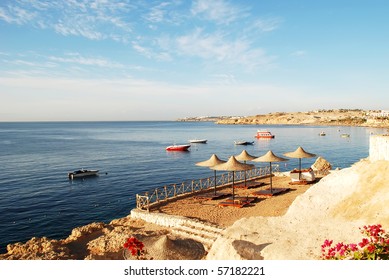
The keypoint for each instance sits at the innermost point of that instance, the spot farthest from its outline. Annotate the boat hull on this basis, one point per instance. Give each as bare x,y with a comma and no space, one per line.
82,174
198,141
179,148
244,143
264,135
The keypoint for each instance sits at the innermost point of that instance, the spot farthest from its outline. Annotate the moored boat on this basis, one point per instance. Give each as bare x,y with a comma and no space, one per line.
265,134
201,141
345,135
322,133
244,143
81,173
178,148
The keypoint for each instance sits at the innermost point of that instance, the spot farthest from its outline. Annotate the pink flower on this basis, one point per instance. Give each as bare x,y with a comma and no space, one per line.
363,243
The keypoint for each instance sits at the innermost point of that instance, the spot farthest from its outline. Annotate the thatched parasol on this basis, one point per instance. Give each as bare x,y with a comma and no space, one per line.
270,157
299,153
233,165
244,156
212,161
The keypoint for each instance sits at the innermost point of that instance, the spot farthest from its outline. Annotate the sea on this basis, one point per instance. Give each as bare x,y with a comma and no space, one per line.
37,198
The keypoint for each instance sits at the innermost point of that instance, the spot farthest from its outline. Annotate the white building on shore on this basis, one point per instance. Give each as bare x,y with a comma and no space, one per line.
382,114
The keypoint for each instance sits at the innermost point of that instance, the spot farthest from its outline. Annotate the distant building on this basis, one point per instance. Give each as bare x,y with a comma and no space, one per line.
382,114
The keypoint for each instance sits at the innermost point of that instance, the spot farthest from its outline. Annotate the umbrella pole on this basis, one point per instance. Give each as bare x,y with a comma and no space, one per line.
245,177
233,189
271,181
215,183
299,169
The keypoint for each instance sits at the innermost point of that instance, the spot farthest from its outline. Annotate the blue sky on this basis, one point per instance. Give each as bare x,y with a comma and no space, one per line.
163,60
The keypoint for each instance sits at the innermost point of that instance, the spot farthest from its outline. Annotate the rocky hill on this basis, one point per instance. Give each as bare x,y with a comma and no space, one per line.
339,117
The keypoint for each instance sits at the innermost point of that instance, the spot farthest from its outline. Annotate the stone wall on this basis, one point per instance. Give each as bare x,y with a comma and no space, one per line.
379,147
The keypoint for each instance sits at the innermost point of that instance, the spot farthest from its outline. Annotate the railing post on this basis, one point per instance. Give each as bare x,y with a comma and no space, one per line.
165,187
175,190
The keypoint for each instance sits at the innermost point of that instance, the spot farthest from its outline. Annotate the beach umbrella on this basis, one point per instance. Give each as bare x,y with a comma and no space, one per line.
270,157
212,161
244,156
299,153
233,165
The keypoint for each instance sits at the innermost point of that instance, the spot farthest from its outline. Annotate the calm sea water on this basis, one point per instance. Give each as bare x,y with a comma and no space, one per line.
38,199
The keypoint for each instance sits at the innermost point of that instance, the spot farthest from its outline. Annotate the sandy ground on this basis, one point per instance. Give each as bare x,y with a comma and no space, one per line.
208,210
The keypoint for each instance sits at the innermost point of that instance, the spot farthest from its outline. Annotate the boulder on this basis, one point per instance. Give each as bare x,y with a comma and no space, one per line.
321,165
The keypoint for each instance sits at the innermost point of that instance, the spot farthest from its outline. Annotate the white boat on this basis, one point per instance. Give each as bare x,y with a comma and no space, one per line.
202,141
345,135
81,173
322,133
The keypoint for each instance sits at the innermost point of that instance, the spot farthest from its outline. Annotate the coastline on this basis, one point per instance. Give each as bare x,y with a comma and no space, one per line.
104,241
301,208
340,117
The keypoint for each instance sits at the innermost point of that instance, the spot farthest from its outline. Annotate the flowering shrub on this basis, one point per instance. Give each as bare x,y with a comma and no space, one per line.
374,247
135,248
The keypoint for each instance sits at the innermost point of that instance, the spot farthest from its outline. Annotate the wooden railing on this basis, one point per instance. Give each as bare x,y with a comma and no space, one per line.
163,194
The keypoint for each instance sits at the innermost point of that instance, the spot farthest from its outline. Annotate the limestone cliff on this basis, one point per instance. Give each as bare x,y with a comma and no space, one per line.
334,208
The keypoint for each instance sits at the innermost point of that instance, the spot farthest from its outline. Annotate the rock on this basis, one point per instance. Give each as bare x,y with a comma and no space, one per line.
321,165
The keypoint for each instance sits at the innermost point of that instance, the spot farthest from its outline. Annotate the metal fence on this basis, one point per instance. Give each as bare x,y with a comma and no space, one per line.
163,194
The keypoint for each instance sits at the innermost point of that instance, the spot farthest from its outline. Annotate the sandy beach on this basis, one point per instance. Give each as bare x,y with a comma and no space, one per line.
208,210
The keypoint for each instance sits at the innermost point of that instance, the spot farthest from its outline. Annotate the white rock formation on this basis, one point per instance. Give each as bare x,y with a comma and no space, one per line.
334,209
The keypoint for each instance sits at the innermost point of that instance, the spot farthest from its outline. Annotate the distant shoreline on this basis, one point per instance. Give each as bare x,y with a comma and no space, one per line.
340,117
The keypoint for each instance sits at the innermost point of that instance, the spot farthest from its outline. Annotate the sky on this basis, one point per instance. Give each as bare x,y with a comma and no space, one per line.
128,60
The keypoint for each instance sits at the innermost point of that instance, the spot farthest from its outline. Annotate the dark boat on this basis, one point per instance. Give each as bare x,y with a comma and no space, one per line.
82,173
244,143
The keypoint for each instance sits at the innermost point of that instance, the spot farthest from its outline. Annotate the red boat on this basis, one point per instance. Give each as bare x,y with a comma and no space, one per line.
264,134
178,148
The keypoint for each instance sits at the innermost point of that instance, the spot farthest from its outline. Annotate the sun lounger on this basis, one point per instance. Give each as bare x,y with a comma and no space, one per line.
268,192
304,175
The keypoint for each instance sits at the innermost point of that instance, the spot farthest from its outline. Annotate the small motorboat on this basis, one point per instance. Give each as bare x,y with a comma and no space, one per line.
345,135
245,143
178,148
322,133
81,173
198,141
264,134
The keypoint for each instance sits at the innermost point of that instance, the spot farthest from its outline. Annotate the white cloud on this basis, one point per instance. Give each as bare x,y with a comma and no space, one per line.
151,53
217,48
217,10
96,20
17,15
90,61
267,24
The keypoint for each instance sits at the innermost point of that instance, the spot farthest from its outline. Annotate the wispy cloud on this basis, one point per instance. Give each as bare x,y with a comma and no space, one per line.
75,58
16,15
267,24
218,48
95,20
217,10
214,31
151,53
